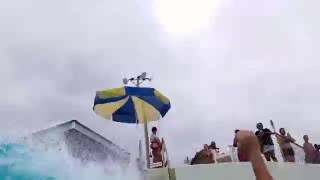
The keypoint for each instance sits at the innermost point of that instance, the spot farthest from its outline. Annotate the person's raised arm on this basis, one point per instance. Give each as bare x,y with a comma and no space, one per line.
249,145
290,137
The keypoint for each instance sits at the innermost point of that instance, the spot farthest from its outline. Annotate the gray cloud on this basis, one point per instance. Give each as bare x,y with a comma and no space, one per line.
255,61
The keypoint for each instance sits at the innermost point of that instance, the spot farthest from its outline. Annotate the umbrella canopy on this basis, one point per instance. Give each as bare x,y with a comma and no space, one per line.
131,104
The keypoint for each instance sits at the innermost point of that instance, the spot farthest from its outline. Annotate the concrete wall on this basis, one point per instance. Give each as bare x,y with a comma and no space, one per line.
157,174
238,171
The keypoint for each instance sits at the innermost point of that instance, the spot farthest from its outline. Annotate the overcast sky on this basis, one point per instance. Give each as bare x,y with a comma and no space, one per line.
224,65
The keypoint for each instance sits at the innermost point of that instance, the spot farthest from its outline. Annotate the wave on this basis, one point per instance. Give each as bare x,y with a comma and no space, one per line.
22,161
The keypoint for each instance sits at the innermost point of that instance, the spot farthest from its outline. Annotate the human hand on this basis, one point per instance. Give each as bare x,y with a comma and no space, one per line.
247,142
249,145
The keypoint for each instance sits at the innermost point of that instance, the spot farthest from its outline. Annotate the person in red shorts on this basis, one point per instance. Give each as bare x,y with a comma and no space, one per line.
156,146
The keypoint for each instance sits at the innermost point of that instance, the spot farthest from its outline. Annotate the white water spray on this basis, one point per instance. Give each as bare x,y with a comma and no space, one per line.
28,161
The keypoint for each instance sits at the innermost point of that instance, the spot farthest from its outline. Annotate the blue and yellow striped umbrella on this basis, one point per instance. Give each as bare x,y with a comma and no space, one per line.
131,104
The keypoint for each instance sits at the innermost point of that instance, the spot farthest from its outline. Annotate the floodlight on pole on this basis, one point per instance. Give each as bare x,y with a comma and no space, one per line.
137,81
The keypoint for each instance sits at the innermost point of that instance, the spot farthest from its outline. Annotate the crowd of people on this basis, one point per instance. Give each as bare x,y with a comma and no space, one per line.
247,143
250,147
267,148
285,141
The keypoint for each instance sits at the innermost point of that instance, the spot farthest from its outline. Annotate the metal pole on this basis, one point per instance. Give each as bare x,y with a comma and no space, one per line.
140,149
138,82
275,132
146,136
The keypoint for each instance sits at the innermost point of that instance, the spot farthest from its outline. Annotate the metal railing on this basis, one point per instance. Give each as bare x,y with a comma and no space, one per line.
165,154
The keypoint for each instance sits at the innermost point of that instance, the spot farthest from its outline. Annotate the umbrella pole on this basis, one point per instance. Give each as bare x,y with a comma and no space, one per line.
146,136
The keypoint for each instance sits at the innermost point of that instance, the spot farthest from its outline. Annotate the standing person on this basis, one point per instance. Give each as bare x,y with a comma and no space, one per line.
241,156
267,146
156,146
317,154
248,144
309,150
286,148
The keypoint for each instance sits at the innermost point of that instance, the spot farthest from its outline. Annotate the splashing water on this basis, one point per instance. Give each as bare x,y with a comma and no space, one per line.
25,162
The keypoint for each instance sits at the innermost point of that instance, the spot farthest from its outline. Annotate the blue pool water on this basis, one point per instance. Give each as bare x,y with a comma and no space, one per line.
16,164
